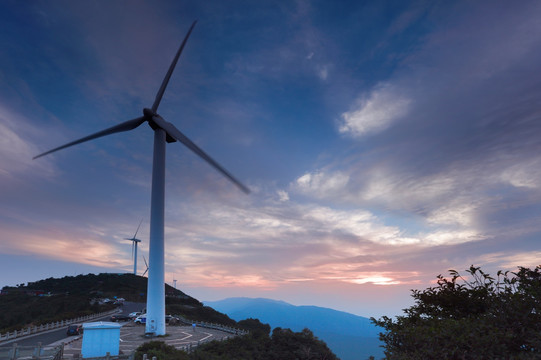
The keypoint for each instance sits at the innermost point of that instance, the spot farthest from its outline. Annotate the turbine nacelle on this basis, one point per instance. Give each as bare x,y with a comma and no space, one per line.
150,115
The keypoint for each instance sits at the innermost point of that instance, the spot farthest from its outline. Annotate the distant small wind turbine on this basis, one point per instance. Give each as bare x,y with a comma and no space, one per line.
163,132
175,283
134,248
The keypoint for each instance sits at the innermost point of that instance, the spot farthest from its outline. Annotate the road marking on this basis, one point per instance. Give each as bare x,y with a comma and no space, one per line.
188,335
206,337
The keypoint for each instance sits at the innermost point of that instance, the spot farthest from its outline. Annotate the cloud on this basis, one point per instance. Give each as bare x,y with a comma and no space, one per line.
323,72
360,224
283,195
57,244
376,280
526,174
17,147
376,111
322,184
268,244
17,153
506,261
459,212
451,173
443,237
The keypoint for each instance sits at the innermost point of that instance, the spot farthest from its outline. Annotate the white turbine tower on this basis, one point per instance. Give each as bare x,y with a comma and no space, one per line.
134,241
163,132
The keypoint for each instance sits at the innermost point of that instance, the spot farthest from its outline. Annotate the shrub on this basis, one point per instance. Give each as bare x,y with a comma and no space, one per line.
161,351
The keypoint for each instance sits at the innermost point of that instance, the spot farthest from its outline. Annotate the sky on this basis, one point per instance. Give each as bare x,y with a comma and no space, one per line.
384,143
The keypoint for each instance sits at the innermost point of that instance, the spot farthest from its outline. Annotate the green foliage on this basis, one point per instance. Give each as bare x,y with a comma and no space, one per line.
161,351
21,310
473,317
255,327
284,344
71,297
128,286
299,345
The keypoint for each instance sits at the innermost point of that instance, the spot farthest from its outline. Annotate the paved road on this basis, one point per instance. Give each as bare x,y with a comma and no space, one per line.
59,335
44,338
132,335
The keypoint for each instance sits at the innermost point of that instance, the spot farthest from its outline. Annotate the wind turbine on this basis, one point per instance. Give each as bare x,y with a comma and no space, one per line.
134,241
163,132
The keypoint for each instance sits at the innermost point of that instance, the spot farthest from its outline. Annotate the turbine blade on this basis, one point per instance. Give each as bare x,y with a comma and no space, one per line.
125,126
132,249
137,229
146,265
177,134
170,71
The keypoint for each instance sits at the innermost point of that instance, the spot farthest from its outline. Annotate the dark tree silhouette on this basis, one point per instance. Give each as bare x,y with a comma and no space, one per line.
472,317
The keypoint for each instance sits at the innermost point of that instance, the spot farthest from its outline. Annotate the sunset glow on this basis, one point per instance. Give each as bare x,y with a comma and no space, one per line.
384,143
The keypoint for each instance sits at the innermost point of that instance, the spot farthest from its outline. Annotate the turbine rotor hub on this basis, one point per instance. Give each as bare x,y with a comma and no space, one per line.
149,113
149,116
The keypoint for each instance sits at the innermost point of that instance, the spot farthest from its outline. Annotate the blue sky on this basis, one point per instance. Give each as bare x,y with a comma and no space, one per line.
385,142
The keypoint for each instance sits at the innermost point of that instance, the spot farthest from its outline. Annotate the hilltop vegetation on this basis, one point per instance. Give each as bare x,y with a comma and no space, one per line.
22,310
56,299
127,286
283,344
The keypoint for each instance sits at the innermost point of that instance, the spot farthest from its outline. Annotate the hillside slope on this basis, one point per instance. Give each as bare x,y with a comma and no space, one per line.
56,299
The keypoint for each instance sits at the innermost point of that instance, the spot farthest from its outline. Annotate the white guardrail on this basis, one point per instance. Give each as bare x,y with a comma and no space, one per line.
32,352
54,325
220,327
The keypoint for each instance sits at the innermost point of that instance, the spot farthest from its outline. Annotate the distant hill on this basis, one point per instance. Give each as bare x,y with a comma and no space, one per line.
128,286
55,299
350,336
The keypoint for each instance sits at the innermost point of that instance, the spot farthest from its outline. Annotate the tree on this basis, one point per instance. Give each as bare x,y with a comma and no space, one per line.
283,344
161,351
303,345
472,317
255,327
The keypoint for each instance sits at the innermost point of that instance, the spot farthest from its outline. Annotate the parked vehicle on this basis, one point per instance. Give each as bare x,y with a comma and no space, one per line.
117,317
74,330
135,314
119,301
141,319
171,319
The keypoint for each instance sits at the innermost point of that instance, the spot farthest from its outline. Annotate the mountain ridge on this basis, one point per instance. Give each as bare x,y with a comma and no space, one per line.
350,336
